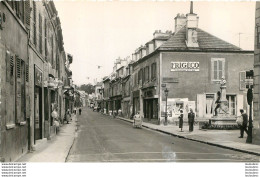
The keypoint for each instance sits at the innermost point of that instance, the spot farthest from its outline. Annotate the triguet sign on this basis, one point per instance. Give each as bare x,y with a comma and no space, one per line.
185,66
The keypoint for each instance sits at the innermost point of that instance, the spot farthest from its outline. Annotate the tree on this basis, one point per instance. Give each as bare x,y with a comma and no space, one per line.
87,88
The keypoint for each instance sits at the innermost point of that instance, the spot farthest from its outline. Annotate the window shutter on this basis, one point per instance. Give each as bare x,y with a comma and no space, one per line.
18,89
8,66
242,77
34,24
27,13
223,69
27,73
212,69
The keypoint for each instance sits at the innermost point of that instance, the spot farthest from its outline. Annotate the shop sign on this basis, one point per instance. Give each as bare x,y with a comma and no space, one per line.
38,77
185,66
170,80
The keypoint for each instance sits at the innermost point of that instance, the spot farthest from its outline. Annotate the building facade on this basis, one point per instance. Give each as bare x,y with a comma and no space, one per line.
190,63
34,72
256,100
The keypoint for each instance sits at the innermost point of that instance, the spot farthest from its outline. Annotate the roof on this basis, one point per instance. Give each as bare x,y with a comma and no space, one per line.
206,41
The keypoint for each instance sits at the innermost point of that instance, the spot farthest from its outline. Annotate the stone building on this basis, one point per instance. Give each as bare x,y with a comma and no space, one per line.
15,112
256,101
190,64
34,72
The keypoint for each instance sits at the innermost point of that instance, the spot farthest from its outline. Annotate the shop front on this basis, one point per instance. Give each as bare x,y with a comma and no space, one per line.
150,107
38,106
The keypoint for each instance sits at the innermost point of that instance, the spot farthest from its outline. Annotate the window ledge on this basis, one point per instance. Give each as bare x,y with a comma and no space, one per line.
22,123
10,126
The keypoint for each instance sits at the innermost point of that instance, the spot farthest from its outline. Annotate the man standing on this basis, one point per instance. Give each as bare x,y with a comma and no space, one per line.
79,111
243,127
191,117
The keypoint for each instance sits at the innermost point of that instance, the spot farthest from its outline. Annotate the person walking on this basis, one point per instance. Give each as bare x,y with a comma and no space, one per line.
181,120
68,115
79,111
191,117
243,126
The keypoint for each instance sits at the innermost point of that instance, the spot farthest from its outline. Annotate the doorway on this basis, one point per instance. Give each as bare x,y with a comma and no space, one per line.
37,113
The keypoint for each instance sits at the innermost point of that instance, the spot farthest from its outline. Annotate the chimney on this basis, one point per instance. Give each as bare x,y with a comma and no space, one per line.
191,28
180,21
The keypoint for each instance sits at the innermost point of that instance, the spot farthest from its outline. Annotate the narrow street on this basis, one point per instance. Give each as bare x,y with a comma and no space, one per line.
101,138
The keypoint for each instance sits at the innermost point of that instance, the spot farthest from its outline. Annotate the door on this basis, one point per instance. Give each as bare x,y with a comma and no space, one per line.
209,105
37,116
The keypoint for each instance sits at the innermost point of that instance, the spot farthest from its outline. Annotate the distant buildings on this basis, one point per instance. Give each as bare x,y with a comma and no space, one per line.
35,76
190,64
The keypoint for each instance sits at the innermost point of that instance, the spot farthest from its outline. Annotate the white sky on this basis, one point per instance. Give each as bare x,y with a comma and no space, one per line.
96,33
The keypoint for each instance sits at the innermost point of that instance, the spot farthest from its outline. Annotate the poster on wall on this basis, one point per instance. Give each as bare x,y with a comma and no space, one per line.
175,105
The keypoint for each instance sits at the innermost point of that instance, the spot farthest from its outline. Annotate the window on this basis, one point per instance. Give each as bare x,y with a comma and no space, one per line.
153,71
245,79
146,74
231,104
217,68
140,75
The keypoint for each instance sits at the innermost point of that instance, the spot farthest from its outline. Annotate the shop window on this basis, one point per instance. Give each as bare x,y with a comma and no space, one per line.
217,68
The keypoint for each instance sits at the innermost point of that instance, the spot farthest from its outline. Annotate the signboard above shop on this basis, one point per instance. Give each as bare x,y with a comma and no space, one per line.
185,66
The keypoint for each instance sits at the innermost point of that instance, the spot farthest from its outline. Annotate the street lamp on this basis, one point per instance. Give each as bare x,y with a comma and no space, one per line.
166,91
250,126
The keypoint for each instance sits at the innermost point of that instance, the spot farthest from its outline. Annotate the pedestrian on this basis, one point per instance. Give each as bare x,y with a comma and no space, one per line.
75,111
181,120
68,115
243,126
55,117
191,117
79,111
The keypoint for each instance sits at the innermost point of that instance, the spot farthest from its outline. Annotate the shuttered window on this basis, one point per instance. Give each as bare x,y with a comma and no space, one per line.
242,79
217,68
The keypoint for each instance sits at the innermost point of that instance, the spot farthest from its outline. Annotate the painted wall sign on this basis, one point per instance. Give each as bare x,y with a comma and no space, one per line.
170,80
185,66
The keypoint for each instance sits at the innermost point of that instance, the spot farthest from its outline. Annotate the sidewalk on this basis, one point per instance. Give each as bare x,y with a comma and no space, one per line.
222,138
56,149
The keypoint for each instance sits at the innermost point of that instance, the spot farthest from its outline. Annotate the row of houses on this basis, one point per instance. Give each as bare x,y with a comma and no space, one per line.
35,77
190,64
